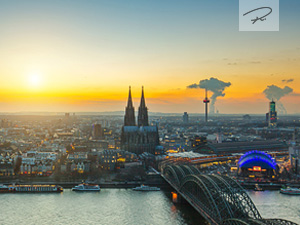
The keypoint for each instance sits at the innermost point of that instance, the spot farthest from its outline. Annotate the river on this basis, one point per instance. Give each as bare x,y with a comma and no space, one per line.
124,206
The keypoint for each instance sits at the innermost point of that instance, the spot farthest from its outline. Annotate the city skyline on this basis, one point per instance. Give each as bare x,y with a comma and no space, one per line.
150,112
81,57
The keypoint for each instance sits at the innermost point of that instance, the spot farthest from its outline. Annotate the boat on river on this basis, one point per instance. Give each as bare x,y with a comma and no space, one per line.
290,191
30,188
146,188
4,188
86,187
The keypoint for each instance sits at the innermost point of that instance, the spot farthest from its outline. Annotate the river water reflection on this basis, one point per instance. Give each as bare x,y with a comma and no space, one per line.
110,206
124,206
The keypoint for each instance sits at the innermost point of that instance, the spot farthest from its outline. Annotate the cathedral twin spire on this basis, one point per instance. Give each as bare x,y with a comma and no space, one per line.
143,112
129,119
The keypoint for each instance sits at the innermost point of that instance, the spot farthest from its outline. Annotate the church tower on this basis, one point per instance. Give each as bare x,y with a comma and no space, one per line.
141,138
129,119
143,112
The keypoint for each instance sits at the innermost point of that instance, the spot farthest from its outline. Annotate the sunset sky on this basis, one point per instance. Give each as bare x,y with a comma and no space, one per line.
80,56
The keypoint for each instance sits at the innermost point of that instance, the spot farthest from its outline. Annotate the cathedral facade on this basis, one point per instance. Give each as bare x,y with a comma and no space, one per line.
141,137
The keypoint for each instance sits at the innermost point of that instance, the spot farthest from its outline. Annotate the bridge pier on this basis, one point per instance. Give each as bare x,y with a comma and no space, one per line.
176,198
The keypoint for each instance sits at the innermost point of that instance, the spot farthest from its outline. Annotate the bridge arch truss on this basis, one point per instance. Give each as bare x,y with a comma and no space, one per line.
220,199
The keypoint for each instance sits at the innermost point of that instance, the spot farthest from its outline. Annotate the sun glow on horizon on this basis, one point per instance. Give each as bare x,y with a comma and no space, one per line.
35,80
65,62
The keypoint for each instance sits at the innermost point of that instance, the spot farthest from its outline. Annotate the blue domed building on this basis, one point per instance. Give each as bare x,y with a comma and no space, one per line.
257,164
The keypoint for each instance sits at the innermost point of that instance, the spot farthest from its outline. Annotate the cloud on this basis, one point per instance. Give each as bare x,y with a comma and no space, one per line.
287,81
295,94
214,85
275,93
193,86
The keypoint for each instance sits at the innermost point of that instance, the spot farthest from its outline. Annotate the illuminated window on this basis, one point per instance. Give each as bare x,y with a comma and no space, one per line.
257,168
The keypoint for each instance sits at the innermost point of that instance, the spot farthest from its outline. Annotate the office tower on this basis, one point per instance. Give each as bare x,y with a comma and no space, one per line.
97,132
272,115
185,118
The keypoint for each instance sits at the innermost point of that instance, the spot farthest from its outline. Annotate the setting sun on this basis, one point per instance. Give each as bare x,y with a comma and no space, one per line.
34,80
65,62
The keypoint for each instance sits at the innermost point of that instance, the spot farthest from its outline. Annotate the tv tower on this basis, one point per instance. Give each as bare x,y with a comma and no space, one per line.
206,101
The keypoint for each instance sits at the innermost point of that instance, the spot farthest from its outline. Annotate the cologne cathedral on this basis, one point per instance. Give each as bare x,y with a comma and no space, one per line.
141,137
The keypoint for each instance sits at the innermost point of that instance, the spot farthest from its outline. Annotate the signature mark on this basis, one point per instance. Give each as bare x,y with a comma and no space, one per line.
259,18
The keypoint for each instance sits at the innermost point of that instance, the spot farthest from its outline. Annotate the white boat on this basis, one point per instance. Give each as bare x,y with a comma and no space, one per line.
86,187
146,188
290,191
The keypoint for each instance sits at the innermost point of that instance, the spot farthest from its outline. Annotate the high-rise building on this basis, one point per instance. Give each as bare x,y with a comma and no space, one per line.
185,118
97,132
67,119
141,138
272,115
129,118
219,136
267,117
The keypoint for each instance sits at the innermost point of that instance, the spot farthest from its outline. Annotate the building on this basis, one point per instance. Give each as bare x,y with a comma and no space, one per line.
97,132
129,118
96,144
257,164
229,148
6,169
78,162
185,118
272,115
267,118
38,163
294,157
197,142
108,160
141,138
143,112
246,117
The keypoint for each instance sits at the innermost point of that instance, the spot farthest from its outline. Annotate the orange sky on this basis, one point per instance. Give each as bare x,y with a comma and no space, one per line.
64,62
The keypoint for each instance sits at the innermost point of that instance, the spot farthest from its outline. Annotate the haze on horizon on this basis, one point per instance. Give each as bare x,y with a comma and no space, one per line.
81,56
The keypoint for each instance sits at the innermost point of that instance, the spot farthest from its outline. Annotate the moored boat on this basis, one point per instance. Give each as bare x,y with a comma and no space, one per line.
146,188
86,187
4,188
290,191
33,188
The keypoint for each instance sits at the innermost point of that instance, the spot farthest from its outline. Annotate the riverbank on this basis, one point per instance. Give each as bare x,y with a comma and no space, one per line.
268,186
117,185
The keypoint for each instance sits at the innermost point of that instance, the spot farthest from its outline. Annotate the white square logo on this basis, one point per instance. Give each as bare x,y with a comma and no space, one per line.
259,15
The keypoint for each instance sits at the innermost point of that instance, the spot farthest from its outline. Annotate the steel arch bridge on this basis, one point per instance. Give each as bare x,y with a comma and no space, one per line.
234,221
219,199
